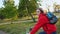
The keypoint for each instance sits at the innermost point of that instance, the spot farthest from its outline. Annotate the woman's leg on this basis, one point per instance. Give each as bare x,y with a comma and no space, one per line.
42,33
54,33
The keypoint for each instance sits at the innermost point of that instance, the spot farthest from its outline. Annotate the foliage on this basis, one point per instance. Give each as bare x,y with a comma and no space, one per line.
9,10
26,6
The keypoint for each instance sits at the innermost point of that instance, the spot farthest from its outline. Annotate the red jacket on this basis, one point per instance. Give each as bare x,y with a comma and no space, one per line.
43,22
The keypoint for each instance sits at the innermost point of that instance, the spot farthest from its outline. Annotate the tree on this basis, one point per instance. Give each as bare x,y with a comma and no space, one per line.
28,7
1,15
10,10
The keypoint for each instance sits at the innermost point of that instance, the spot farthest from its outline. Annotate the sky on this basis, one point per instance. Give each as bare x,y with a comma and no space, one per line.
1,3
48,4
16,3
45,2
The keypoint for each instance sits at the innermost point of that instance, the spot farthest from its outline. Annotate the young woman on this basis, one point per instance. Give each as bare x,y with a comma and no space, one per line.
43,22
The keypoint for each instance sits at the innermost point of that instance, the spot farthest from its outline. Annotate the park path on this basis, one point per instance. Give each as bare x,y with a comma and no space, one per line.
2,32
19,21
13,22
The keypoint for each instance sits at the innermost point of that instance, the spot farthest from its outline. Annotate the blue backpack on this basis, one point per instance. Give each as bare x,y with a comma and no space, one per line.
53,19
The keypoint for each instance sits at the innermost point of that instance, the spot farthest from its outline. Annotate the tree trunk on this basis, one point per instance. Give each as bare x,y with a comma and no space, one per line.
30,15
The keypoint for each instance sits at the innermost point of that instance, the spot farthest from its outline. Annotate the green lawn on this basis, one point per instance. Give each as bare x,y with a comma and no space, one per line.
21,28
16,28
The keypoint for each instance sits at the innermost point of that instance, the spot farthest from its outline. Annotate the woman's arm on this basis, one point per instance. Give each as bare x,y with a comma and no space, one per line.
40,23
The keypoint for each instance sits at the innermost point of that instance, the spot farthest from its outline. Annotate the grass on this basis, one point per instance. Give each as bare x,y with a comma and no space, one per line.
58,26
16,28
21,28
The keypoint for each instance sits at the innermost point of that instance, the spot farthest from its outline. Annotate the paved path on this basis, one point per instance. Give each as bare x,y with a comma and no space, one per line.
20,21
2,32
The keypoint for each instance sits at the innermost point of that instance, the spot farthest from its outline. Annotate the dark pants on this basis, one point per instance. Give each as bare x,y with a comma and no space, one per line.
45,33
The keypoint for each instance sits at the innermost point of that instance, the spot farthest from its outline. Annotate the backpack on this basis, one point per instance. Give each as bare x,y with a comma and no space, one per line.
53,19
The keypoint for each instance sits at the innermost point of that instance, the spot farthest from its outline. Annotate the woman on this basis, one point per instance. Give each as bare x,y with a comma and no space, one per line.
43,22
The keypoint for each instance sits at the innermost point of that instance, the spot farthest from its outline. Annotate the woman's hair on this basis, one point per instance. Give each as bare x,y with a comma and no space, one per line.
40,9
